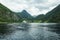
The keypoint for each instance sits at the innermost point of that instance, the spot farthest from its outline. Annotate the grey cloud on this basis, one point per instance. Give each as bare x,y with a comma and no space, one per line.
45,5
40,1
56,3
42,8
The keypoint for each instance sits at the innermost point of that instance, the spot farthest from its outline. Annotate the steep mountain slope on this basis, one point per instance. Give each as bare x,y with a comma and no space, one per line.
25,15
6,15
53,15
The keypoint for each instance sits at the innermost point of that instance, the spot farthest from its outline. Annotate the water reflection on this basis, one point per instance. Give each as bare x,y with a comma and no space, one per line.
23,26
5,29
54,28
29,31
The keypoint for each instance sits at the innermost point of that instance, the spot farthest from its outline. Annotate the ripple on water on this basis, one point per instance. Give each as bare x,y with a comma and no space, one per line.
34,33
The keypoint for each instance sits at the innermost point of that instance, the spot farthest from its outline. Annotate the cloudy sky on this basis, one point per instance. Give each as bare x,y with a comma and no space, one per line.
34,7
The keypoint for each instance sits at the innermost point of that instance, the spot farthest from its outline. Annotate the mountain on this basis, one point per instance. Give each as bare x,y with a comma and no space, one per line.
53,16
39,18
6,15
25,15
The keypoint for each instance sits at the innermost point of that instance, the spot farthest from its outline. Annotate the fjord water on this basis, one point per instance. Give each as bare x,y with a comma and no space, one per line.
30,31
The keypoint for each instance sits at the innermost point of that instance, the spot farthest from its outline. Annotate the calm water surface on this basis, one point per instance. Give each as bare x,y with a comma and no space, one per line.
32,31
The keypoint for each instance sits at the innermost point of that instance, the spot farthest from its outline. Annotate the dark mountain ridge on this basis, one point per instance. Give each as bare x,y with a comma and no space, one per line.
25,15
52,16
6,15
